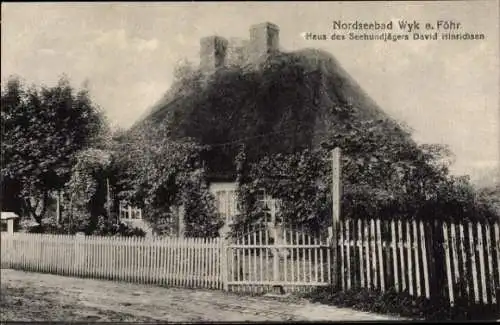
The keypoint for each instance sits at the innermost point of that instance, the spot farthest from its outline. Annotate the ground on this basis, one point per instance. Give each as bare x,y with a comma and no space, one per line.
29,296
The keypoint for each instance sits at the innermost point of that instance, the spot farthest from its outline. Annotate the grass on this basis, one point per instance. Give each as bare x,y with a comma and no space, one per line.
403,304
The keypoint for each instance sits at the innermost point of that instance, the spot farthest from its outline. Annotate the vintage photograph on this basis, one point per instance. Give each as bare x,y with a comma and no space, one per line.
250,161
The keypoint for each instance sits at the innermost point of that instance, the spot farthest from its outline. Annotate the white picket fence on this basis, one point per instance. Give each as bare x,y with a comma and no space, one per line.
459,261
379,254
430,259
186,262
257,261
262,258
252,263
472,262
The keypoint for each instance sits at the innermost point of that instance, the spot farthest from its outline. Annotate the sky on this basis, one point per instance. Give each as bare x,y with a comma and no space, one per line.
446,91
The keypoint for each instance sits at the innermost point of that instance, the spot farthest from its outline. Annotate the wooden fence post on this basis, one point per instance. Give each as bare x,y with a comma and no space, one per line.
446,246
336,188
331,248
424,260
276,269
223,247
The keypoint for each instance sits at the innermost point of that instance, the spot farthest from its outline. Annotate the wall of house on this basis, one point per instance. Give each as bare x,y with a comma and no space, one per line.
226,203
226,200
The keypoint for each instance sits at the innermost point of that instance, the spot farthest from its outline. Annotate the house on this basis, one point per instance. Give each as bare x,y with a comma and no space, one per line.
217,120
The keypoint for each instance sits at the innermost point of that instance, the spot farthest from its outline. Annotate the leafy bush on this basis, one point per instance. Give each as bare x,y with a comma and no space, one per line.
108,228
85,191
104,227
201,219
160,176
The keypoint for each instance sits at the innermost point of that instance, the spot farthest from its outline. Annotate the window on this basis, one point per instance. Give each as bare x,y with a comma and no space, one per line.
268,204
225,202
225,199
128,212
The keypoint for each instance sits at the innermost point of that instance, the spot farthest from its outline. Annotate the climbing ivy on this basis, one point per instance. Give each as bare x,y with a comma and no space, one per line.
383,175
273,127
85,190
161,175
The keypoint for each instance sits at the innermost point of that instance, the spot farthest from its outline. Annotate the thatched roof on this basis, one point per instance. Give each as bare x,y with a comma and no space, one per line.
288,97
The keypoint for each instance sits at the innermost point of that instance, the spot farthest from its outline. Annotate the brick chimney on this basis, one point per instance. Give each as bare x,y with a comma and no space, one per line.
237,52
212,52
264,40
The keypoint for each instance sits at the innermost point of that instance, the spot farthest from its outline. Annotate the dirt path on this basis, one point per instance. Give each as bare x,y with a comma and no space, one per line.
41,297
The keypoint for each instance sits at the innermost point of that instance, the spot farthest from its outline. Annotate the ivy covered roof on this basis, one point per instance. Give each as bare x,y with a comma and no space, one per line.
282,105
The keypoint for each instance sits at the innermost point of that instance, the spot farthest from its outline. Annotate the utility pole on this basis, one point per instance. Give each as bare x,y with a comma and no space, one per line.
336,192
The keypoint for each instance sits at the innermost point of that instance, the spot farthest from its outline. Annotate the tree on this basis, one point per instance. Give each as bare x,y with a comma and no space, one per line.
491,200
43,128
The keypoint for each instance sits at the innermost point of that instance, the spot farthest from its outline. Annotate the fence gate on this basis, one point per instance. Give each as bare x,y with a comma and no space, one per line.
272,259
